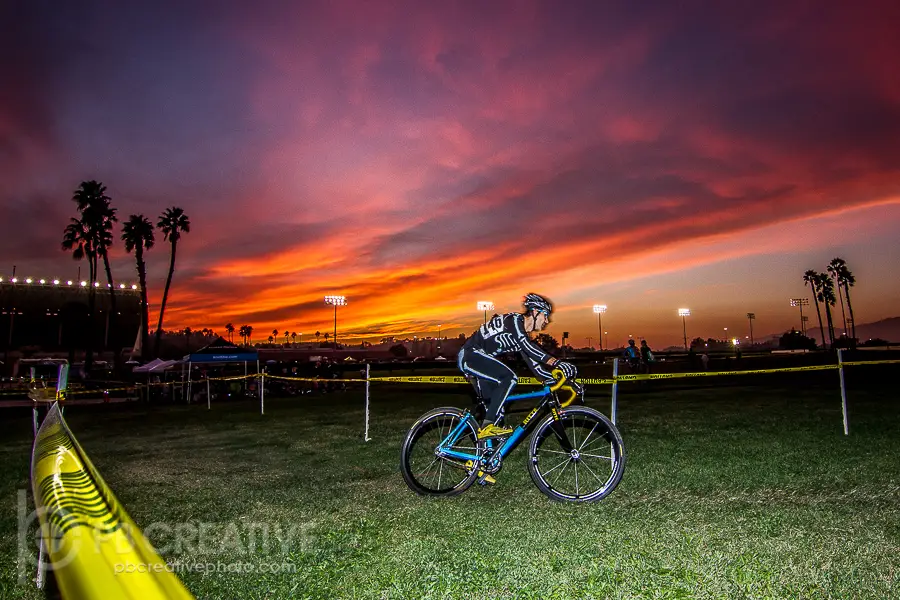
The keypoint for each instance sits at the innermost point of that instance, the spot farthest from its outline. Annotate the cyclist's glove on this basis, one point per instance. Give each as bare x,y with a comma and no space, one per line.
568,370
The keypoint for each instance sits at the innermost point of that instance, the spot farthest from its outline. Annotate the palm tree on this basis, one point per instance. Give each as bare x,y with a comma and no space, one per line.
249,335
229,329
270,339
137,233
173,222
243,333
326,338
79,238
834,269
848,280
294,338
811,278
275,334
826,296
286,336
317,337
96,211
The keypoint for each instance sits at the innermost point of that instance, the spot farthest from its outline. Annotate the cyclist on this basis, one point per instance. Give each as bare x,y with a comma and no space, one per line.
632,357
505,334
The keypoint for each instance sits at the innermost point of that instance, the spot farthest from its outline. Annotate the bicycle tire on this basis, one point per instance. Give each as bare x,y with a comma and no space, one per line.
418,449
548,464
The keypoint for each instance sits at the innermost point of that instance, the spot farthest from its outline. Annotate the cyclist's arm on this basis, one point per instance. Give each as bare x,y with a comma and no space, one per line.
531,351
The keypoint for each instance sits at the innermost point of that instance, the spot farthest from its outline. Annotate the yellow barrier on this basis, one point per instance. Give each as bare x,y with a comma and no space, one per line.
95,549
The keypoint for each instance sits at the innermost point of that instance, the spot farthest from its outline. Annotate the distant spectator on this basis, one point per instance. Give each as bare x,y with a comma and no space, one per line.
704,358
647,357
632,357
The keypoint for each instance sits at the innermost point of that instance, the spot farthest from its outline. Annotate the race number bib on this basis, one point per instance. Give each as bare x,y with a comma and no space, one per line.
492,327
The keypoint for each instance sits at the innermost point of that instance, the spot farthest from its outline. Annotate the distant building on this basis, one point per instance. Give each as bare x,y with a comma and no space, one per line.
54,317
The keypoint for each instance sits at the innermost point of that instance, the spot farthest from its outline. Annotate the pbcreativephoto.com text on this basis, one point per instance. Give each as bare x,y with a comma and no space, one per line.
204,567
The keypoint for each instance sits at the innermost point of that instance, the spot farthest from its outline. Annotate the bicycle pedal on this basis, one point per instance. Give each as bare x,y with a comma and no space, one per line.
485,478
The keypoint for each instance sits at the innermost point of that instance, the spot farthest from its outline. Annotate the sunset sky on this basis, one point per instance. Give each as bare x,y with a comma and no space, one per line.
420,156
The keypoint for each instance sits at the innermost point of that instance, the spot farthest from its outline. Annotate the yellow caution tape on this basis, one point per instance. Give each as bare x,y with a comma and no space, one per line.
95,548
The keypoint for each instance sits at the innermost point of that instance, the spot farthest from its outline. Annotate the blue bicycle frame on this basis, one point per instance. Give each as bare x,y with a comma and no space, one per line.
445,448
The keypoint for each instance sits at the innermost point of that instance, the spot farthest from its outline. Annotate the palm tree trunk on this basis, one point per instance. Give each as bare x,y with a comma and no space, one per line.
92,302
850,310
113,312
830,323
145,308
162,306
819,314
841,297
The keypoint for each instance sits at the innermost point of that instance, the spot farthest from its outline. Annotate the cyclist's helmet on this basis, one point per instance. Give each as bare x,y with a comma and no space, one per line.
533,301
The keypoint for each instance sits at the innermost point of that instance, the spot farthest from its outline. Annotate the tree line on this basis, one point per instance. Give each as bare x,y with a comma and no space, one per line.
90,235
837,276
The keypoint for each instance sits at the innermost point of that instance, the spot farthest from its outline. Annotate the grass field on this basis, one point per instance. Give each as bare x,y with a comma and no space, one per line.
736,492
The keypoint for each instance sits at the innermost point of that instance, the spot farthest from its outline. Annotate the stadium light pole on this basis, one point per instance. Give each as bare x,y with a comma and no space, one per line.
336,301
485,306
600,309
684,312
750,317
439,339
801,302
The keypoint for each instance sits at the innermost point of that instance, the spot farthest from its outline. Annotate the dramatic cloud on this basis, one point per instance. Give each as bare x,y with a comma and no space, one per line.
418,157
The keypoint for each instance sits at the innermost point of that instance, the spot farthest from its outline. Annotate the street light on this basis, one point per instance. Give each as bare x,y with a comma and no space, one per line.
684,312
750,317
600,309
336,301
485,306
801,302
439,339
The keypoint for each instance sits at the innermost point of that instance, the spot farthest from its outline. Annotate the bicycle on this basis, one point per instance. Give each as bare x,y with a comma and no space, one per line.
441,454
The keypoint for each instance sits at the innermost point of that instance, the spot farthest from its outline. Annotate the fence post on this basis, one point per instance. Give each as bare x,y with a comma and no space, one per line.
843,390
615,390
366,433
208,401
262,394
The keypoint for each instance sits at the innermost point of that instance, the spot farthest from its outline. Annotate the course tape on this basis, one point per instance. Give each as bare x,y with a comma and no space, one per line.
87,533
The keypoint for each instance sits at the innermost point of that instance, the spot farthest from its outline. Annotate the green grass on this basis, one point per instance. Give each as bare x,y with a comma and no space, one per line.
738,492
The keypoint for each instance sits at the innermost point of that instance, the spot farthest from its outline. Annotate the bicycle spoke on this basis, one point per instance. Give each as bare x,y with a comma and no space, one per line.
561,472
576,476
564,461
593,429
609,458
591,471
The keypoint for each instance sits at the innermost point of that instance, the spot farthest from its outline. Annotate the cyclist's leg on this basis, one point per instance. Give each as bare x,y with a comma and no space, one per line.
495,377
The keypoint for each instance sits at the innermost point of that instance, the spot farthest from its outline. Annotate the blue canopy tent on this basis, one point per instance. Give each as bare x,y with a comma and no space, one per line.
222,351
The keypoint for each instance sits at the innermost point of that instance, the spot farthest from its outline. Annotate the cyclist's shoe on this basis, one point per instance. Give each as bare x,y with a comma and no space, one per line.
485,478
492,431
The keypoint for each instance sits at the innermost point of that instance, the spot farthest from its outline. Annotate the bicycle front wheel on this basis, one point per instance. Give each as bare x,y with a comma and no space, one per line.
429,474
580,458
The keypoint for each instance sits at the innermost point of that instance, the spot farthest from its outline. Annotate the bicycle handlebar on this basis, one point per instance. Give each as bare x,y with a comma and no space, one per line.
560,379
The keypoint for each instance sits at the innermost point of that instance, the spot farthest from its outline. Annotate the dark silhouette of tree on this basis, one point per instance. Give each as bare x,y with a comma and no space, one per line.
547,342
188,332
275,334
270,339
826,296
286,336
811,278
326,338
96,210
137,233
794,340
845,280
249,335
243,333
294,337
833,269
398,350
80,238
317,337
173,223
229,329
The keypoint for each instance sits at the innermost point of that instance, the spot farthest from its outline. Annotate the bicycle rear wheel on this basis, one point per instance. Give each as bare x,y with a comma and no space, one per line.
424,471
580,458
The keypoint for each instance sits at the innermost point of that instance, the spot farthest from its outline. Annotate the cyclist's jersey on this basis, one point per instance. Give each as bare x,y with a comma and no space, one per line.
505,334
